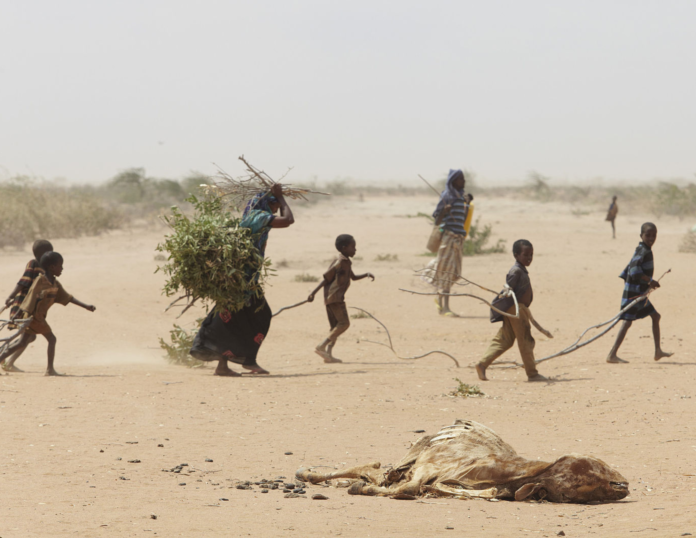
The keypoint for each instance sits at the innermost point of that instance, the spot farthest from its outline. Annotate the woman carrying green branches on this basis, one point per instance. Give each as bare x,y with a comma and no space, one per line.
450,215
237,336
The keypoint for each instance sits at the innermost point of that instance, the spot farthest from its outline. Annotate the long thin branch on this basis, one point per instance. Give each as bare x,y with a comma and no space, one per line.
512,294
391,346
291,306
429,185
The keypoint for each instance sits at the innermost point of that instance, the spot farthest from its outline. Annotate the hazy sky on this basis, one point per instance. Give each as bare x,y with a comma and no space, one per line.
362,89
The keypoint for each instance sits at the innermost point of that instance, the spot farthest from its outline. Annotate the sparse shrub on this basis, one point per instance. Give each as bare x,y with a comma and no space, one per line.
477,239
538,186
181,342
283,263
670,199
31,210
387,258
429,254
688,243
359,315
306,277
465,390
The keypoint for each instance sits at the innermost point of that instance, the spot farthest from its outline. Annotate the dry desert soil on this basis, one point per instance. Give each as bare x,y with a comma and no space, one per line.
68,443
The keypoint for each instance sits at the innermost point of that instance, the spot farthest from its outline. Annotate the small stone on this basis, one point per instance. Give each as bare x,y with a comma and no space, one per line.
291,495
320,497
208,460
160,446
131,442
183,465
153,516
223,499
119,459
289,486
264,491
300,491
286,490
182,483
133,461
449,528
421,431
123,478
288,453
560,533
101,451
280,478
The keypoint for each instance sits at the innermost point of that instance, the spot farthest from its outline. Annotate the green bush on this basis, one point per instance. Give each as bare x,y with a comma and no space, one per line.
477,239
181,342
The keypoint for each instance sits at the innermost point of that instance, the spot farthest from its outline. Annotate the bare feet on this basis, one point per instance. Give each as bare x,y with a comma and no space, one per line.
13,368
257,370
481,371
326,356
226,372
52,372
617,360
448,313
537,377
659,355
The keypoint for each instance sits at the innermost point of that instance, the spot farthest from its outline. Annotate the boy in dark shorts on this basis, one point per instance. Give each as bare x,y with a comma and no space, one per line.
44,292
15,299
336,282
638,277
514,329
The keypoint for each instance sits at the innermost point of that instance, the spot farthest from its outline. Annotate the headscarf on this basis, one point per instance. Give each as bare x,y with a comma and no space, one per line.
261,202
450,194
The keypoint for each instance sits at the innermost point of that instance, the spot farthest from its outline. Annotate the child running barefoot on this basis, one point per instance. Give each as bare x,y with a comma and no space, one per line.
336,282
639,278
15,299
45,291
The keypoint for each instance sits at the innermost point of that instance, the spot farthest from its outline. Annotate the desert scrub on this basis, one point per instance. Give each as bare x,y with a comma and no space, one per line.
211,256
30,210
359,315
306,277
465,390
387,258
670,199
477,239
688,243
180,344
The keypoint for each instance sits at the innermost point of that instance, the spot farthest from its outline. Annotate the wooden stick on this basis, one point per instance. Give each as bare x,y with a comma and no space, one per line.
517,306
391,346
291,306
429,185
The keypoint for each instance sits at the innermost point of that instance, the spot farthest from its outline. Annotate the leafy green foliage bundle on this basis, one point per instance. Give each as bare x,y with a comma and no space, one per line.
211,256
181,342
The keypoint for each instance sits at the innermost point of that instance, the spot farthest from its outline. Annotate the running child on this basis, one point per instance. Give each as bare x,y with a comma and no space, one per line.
336,282
15,299
638,277
514,329
44,292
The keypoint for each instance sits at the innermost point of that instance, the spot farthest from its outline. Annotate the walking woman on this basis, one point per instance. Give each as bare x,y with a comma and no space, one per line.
237,336
450,214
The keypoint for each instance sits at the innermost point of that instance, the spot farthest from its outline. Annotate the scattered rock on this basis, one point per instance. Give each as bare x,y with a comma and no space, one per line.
160,446
320,497
449,528
223,499
560,533
289,486
133,461
288,453
292,495
153,516
101,450
418,431
182,483
119,459
123,478
264,490
243,486
131,442
299,491
286,490
208,460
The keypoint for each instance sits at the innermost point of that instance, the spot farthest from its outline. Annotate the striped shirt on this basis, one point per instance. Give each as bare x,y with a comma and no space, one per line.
455,219
641,264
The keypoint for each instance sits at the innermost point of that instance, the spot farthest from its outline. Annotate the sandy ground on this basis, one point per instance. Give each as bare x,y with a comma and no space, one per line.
66,442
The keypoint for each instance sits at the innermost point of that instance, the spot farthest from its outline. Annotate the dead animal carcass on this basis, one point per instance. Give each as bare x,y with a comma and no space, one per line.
469,460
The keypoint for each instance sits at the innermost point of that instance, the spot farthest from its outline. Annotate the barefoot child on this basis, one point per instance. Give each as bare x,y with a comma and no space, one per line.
45,291
520,329
639,278
32,270
336,282
611,216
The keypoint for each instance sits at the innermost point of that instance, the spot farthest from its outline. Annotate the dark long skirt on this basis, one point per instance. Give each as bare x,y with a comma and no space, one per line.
235,336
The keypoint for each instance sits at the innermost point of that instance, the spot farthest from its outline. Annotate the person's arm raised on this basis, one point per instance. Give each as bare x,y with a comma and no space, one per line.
285,218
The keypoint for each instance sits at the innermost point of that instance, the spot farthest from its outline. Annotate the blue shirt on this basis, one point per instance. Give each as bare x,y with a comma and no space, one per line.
454,220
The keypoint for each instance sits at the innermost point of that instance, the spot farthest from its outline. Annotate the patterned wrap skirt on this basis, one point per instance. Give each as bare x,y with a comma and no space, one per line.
446,269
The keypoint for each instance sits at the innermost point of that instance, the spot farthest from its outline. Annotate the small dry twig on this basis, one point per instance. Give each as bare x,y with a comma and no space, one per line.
391,345
291,306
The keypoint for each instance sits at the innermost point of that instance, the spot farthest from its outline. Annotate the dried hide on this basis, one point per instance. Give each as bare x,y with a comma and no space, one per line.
469,460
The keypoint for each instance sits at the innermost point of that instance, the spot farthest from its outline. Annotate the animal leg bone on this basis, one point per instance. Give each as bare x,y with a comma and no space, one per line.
364,472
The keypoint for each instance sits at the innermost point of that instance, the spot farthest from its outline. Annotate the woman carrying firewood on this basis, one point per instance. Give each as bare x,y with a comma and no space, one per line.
237,335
